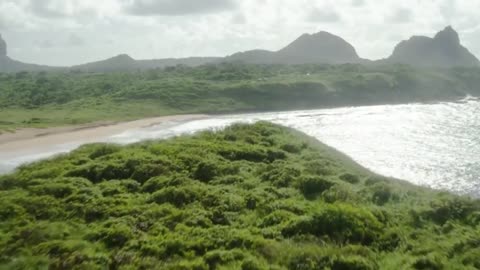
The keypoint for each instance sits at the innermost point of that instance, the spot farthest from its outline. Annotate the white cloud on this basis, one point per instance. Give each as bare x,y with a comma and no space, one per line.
214,27
402,15
239,18
323,15
75,40
358,3
50,8
177,7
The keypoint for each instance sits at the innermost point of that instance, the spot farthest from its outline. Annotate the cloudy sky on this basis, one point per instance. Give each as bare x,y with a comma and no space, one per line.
66,32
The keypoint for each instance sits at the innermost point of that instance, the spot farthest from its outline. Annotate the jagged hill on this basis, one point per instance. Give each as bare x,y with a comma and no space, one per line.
252,57
120,62
443,50
3,47
124,62
168,62
9,65
321,47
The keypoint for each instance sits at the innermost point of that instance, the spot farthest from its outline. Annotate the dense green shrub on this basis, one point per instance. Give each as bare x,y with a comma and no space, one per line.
340,193
276,218
446,208
230,199
101,150
350,257
116,236
292,148
281,174
217,257
59,98
74,254
341,223
205,171
178,196
382,193
313,185
428,262
160,182
349,178
353,263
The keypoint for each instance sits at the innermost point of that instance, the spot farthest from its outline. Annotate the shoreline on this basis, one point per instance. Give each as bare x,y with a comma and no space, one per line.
27,133
28,138
105,128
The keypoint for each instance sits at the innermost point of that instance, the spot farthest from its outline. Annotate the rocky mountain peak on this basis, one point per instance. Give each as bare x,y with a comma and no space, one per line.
3,47
448,36
321,47
443,50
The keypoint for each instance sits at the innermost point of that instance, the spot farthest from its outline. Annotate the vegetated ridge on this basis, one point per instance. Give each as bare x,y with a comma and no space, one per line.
67,98
255,196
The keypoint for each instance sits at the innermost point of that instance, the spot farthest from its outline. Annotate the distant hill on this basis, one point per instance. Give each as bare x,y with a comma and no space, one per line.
252,57
321,47
443,50
9,65
120,62
124,62
3,47
189,61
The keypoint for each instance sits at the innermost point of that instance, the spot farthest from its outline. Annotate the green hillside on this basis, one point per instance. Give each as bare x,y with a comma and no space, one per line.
57,98
250,197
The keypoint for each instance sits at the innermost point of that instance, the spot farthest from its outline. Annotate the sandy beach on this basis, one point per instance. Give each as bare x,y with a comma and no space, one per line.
24,139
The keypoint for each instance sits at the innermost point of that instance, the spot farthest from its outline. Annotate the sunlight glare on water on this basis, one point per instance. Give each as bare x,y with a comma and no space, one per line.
435,145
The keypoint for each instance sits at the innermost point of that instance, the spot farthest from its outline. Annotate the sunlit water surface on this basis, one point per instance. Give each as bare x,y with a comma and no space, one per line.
435,145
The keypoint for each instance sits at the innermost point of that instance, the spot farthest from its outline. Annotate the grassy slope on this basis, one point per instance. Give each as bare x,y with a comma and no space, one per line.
251,197
52,99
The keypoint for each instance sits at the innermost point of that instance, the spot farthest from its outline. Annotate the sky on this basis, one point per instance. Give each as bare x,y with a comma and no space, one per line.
68,32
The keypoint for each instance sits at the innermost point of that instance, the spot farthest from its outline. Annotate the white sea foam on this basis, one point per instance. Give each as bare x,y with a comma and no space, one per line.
435,145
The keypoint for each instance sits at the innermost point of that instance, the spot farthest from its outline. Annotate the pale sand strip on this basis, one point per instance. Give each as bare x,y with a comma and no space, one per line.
43,138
